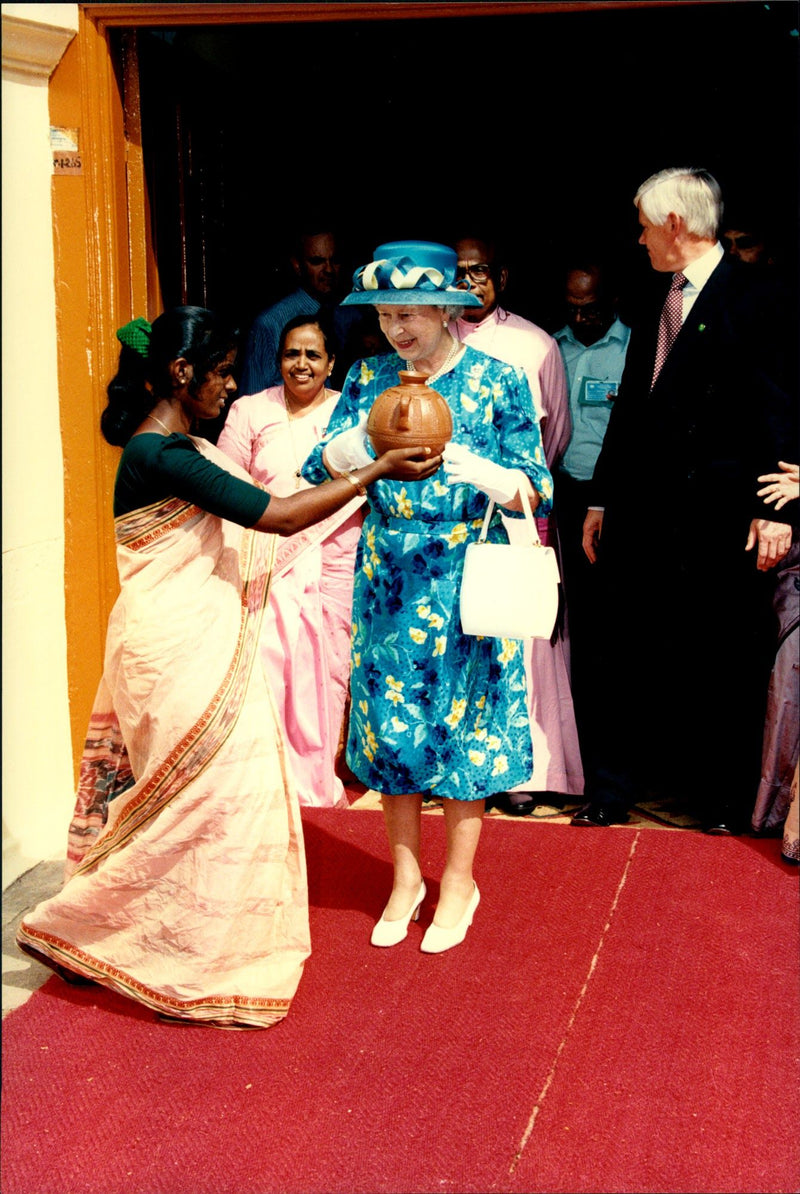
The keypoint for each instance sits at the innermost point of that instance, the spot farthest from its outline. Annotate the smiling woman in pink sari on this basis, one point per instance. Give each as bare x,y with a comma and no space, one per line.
186,884
305,640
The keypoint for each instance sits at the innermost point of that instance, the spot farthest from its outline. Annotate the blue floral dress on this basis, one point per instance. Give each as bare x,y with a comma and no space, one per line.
434,710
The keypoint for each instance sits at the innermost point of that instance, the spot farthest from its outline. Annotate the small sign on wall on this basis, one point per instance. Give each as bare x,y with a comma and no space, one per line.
64,144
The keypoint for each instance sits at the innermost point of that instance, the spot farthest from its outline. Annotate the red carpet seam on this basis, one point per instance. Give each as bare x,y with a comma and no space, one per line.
526,1135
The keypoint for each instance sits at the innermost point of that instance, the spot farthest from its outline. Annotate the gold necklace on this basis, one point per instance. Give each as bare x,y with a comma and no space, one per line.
290,419
305,410
155,420
455,349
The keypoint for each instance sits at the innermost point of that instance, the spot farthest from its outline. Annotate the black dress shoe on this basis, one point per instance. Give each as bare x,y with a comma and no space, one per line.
721,828
514,804
518,804
600,814
721,820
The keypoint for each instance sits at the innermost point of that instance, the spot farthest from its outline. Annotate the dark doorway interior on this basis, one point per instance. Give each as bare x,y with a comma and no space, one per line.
538,127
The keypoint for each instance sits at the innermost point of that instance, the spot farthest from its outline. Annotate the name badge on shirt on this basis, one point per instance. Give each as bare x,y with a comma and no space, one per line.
597,393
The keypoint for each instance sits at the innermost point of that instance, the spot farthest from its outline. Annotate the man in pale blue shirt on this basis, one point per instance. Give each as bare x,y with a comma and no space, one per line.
317,267
593,344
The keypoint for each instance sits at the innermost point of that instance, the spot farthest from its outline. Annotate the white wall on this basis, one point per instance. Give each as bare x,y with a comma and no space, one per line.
37,772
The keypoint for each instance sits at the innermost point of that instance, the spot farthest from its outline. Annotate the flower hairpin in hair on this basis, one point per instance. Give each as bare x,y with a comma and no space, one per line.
136,335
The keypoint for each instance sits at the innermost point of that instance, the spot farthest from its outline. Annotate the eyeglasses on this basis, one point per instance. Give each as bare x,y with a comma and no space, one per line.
480,272
587,312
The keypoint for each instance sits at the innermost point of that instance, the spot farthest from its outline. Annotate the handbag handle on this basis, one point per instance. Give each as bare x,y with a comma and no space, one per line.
526,506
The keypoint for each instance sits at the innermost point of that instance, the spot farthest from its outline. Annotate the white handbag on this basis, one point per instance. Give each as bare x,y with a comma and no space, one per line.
510,590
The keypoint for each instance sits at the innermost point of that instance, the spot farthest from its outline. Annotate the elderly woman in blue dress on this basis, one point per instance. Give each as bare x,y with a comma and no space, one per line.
434,713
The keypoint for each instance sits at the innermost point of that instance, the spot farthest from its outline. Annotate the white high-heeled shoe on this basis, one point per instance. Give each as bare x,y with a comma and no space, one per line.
437,939
392,932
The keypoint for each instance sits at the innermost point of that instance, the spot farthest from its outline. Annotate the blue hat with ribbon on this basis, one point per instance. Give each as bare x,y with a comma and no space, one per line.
412,273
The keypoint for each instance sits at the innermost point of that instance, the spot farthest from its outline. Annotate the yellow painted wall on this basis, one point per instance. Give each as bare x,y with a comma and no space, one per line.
77,260
38,791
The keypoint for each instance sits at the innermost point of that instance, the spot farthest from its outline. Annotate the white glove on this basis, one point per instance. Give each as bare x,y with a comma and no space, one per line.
348,450
463,467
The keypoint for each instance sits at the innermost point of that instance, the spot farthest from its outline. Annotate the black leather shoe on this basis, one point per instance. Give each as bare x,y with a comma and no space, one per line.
721,820
721,828
600,814
518,804
514,804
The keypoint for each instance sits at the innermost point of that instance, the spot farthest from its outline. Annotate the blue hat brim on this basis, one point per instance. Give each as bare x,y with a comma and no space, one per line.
411,298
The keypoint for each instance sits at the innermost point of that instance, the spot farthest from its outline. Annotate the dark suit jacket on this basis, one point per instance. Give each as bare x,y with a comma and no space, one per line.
677,471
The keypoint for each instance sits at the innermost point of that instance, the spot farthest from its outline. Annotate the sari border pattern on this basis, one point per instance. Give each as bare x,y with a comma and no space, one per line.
209,1009
193,753
142,527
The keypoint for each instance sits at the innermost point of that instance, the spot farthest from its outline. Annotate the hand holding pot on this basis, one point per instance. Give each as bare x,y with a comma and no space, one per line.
409,464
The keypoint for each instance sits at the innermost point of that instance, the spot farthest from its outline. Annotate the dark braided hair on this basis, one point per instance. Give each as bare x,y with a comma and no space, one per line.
194,333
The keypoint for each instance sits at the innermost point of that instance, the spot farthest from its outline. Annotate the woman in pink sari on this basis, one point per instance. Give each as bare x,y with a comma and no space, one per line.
305,640
186,884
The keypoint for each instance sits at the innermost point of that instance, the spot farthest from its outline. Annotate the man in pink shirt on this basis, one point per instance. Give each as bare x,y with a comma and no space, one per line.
517,341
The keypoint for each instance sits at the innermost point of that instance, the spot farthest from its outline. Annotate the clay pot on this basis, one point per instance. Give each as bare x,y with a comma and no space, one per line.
410,415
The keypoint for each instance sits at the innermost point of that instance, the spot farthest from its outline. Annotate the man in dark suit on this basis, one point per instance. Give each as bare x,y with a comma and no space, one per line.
683,542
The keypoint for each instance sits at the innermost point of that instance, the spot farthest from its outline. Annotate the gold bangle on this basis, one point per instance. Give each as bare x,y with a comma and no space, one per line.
354,481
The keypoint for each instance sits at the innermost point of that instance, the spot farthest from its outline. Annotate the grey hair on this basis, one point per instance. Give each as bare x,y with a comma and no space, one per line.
453,311
690,193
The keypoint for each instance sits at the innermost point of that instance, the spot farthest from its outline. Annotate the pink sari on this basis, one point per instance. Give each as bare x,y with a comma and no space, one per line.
186,885
305,640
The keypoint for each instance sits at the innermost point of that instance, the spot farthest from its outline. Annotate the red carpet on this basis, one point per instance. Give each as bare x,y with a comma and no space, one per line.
622,1017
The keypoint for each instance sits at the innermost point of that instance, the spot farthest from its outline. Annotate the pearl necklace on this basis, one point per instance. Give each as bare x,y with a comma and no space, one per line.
455,349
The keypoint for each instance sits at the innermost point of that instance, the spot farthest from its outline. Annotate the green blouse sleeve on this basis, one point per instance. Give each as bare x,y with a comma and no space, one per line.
154,467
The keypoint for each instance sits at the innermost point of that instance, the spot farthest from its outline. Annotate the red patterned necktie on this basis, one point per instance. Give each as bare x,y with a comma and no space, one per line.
670,323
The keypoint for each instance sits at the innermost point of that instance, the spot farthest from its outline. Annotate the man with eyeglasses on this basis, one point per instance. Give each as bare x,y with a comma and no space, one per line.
511,338
593,343
517,341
